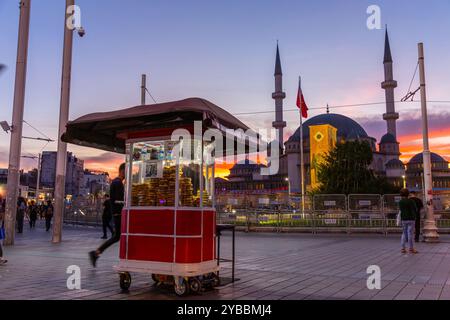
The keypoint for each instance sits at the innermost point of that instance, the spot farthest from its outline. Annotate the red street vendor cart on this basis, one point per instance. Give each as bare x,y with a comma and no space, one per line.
169,218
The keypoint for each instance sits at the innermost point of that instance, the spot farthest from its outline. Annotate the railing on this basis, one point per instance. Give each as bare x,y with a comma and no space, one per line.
83,213
330,213
323,213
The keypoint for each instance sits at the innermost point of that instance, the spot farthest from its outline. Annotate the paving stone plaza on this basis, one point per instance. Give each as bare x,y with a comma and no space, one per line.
268,266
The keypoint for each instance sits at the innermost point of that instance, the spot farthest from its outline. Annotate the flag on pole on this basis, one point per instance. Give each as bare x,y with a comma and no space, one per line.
301,104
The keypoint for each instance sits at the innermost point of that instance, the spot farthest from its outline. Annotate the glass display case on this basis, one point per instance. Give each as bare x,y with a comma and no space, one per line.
166,174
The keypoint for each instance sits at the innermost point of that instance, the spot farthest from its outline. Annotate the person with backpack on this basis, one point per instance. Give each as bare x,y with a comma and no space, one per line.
407,213
48,214
419,206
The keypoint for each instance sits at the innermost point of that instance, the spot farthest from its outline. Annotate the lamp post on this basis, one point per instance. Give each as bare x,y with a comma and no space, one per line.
17,122
404,181
430,230
289,186
61,157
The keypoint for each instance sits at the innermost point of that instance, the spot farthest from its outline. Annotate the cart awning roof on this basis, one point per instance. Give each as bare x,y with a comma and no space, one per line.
108,130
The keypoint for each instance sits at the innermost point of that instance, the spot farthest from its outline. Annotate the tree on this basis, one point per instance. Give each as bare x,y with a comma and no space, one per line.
346,170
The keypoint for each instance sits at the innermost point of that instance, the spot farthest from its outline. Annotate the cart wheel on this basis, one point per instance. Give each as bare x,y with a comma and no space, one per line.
182,288
125,280
195,285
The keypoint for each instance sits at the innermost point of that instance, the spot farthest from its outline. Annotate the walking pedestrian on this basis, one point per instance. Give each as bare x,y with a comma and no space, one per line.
107,217
48,214
20,213
41,211
116,194
2,232
419,207
33,214
408,219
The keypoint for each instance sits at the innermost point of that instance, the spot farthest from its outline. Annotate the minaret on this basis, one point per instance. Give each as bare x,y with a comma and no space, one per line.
389,85
279,96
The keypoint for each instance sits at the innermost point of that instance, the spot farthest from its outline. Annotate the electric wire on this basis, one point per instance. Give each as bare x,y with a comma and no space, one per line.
150,95
40,132
336,107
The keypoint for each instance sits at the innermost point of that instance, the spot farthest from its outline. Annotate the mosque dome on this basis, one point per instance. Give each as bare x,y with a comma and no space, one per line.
388,138
246,164
435,158
346,127
395,164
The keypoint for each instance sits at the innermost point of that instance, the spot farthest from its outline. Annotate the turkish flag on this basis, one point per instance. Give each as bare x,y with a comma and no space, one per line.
301,104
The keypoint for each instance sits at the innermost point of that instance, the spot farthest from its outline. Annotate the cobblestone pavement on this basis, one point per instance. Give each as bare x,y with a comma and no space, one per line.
269,266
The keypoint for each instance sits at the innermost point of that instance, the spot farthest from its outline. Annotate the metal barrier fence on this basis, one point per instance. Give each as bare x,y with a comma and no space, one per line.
330,213
85,212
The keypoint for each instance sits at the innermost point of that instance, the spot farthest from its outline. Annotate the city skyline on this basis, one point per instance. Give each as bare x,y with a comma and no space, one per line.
230,63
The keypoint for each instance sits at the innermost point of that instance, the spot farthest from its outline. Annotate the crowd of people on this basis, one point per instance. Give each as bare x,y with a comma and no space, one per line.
32,212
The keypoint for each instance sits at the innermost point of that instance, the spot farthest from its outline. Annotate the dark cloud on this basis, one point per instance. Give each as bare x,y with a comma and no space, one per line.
409,124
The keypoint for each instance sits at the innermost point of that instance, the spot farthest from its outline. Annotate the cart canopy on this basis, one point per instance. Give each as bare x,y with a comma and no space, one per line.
109,130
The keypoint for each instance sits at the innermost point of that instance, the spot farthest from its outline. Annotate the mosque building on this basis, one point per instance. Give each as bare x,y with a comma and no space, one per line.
321,133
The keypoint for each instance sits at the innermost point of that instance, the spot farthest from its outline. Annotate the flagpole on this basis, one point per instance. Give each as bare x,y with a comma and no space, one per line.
302,162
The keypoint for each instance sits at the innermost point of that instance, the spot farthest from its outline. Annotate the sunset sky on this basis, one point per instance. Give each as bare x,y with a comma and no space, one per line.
224,51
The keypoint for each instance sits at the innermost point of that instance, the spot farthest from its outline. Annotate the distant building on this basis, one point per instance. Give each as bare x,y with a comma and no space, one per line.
440,171
3,176
74,172
386,158
246,176
94,182
27,180
386,155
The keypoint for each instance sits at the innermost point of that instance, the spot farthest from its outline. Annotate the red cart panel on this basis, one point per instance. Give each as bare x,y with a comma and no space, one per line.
169,235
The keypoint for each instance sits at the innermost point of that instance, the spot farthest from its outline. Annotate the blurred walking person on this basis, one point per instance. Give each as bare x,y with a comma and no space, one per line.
107,217
33,214
407,213
419,207
41,211
48,214
116,194
20,213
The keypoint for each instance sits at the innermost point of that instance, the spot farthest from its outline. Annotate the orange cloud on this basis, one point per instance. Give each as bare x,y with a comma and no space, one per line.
412,144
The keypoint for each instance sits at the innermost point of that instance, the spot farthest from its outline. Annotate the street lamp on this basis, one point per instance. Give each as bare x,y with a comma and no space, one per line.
5,126
404,182
430,230
61,156
289,188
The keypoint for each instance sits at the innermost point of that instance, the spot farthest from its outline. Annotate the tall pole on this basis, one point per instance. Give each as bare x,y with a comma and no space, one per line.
61,157
430,230
143,88
17,121
302,160
302,164
38,178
